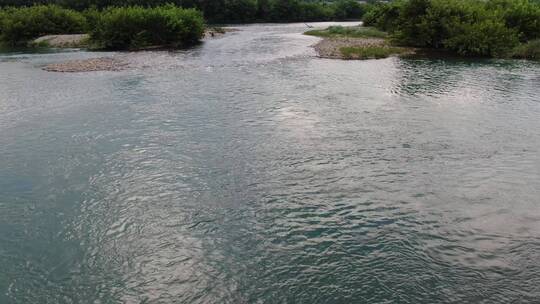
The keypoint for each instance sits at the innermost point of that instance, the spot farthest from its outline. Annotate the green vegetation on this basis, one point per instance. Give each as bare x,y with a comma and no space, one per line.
529,50
120,24
114,28
368,52
92,16
492,28
352,31
355,42
20,25
137,27
229,11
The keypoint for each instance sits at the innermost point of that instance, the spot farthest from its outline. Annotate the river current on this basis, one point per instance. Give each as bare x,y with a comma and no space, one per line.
246,170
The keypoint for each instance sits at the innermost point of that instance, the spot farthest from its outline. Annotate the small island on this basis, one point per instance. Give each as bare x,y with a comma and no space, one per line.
356,42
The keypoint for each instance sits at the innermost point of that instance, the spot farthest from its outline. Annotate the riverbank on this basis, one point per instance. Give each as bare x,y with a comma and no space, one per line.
475,28
357,48
110,63
356,42
83,40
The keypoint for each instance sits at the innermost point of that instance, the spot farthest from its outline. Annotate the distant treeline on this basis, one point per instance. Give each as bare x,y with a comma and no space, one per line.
493,28
133,24
229,11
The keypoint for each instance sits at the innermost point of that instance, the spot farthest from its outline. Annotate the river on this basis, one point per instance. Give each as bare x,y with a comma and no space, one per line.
246,170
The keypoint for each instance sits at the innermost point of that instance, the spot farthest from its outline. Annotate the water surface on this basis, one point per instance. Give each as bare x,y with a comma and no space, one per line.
246,170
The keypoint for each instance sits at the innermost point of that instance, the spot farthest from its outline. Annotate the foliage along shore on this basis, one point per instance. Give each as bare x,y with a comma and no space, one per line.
119,24
116,28
486,28
227,11
481,28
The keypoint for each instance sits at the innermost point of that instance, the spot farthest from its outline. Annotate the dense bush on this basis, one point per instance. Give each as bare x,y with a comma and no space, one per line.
529,50
19,25
521,15
468,27
3,15
230,11
137,27
485,38
348,9
92,16
243,11
382,15
313,12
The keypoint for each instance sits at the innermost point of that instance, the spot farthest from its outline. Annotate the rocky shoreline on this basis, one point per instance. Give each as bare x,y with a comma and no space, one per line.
101,63
87,65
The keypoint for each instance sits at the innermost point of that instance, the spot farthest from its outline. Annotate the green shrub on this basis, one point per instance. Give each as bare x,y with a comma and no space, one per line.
225,11
529,50
240,11
484,38
92,16
137,27
382,15
3,15
414,24
20,25
468,27
230,11
348,9
521,15
315,12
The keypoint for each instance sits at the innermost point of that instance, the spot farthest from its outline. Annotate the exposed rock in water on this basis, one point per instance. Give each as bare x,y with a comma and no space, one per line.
87,65
63,41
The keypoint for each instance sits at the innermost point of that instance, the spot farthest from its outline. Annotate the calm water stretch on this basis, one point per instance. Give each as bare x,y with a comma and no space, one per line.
246,170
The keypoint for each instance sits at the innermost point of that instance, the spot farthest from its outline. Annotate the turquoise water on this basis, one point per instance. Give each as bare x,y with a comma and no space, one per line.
248,171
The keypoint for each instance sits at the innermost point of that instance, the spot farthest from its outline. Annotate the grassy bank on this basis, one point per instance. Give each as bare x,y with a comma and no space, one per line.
352,32
114,28
492,28
357,42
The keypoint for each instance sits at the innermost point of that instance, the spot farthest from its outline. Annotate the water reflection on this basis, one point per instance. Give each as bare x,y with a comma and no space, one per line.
247,171
433,77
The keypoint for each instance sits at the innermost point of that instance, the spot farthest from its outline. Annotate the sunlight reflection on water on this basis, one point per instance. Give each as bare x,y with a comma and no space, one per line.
247,171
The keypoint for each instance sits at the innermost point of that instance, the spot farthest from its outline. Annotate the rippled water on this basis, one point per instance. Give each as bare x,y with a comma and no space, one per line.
248,171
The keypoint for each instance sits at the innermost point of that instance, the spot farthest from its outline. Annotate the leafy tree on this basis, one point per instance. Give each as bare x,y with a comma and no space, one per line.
489,37
136,27
522,15
348,9
468,27
19,25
